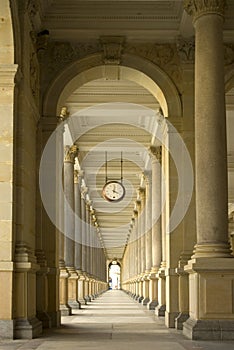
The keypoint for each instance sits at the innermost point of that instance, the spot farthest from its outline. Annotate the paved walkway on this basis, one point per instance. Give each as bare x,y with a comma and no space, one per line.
113,322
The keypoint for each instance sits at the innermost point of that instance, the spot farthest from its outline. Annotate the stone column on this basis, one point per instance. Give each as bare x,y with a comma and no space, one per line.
186,51
69,225
145,281
148,238
64,307
134,257
139,281
87,249
78,227
211,267
135,213
155,154
82,274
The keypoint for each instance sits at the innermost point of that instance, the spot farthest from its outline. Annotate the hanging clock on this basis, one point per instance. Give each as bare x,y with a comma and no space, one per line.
113,191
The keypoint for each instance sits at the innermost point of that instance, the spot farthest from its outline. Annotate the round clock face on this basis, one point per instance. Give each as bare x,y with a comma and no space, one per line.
113,191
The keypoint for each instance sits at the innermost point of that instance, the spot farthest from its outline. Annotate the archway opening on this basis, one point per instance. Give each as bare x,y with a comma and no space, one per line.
114,275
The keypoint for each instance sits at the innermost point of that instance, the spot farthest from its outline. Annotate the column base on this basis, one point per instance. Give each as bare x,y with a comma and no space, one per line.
27,328
7,329
180,319
170,319
55,317
74,304
139,299
160,310
45,319
82,301
65,310
209,329
145,301
152,304
88,299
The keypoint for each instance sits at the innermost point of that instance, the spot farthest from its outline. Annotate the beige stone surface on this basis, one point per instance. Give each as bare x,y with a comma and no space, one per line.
113,321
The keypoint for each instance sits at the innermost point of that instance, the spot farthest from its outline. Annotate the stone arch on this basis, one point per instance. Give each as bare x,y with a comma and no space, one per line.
135,68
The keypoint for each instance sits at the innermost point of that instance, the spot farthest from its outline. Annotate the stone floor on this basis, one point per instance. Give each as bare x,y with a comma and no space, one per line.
114,322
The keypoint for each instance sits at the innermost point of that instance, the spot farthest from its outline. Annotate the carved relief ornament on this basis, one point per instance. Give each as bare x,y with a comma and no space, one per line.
186,49
64,114
112,49
197,8
70,152
155,153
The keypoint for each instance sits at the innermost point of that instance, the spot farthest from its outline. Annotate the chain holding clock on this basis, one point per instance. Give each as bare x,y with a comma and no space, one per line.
113,190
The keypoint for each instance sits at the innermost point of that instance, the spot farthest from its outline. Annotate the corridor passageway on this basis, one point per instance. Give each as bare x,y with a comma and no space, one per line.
113,322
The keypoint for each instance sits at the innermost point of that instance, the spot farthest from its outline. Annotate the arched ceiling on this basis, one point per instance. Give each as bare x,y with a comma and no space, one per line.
125,124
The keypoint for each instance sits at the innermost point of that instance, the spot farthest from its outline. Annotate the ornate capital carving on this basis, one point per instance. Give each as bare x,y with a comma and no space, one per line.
155,153
70,152
64,114
141,192
112,49
186,49
84,191
197,8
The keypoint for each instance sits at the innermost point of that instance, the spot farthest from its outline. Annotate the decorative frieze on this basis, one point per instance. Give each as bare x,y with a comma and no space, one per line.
163,55
61,54
186,49
197,8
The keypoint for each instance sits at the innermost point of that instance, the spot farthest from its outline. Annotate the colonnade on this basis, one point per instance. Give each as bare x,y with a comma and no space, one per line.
142,262
81,255
191,295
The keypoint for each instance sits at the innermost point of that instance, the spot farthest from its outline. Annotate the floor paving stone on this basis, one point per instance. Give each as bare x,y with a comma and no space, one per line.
114,321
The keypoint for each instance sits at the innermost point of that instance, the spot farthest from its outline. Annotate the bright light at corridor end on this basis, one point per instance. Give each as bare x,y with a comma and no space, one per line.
51,165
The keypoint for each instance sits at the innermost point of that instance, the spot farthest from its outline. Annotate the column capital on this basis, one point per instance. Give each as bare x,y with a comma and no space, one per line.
197,8
70,152
155,153
64,114
84,191
78,175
